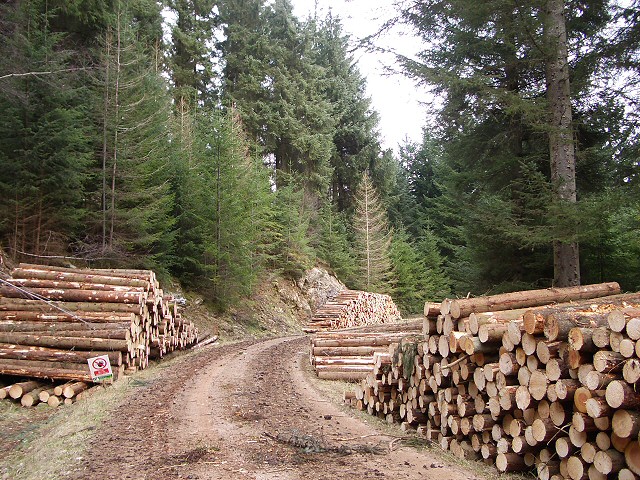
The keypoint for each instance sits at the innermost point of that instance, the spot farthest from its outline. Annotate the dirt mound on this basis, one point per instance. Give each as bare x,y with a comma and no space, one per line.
279,306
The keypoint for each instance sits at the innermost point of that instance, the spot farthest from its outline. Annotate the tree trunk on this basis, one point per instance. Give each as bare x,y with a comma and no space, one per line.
566,261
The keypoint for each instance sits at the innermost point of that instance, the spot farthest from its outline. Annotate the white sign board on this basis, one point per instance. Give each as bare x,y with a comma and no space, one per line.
100,368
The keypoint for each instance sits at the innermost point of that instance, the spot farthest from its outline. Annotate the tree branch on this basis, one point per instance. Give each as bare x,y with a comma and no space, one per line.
35,74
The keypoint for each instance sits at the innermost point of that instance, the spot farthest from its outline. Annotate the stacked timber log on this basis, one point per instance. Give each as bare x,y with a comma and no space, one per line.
547,388
351,354
31,393
353,308
52,319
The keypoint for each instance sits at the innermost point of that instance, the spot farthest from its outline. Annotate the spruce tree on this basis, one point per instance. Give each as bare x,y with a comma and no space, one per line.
355,138
46,133
372,239
495,129
191,59
136,223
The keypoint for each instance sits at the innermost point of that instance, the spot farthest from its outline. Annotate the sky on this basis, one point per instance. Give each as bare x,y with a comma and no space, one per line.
396,99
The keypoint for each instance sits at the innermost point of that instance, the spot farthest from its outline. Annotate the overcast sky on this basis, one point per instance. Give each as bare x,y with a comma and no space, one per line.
394,97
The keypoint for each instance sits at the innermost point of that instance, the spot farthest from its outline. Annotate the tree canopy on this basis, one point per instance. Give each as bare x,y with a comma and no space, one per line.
220,141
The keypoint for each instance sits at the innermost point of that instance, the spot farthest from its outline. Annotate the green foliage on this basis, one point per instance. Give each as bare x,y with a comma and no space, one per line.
277,89
489,196
355,143
135,224
418,272
191,60
224,206
46,134
290,250
372,238
333,245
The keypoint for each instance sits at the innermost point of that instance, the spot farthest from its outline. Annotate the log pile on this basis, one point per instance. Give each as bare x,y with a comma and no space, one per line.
52,319
353,308
543,388
31,393
350,354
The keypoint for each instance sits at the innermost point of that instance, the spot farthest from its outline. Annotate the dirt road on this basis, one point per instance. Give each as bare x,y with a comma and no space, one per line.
247,411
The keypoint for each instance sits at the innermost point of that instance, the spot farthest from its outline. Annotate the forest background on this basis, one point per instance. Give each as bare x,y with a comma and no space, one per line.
242,143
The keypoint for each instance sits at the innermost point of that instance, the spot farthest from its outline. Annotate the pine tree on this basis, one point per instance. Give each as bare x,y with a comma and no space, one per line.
496,128
372,239
45,130
355,138
136,224
333,246
276,88
191,59
418,270
224,204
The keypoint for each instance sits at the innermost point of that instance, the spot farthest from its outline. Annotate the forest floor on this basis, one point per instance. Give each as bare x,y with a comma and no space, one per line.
247,410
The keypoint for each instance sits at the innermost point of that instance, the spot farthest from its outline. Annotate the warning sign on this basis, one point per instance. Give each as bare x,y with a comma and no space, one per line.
100,368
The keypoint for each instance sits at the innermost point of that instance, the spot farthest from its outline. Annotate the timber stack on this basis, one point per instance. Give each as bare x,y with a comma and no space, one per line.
30,393
351,354
353,308
52,319
541,381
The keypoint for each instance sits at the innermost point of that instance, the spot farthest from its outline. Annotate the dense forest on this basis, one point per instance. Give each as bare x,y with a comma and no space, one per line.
219,141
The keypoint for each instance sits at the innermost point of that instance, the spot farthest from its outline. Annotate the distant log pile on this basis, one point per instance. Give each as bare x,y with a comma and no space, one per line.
350,354
53,319
521,381
353,308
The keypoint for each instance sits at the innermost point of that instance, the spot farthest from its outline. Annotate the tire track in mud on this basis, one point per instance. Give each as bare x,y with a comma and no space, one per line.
247,411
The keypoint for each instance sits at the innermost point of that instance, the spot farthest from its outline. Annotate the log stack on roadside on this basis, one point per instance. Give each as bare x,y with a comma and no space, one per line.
52,319
31,393
351,354
523,382
353,308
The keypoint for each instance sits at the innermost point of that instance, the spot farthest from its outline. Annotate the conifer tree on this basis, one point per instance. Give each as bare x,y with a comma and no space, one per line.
355,138
333,244
191,59
372,239
224,206
45,131
136,224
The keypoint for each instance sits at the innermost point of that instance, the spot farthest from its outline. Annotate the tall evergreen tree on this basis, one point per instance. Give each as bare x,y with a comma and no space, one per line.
372,239
418,272
491,77
45,130
355,137
135,223
276,88
191,59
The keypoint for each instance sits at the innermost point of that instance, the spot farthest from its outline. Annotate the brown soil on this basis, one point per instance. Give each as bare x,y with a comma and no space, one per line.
248,411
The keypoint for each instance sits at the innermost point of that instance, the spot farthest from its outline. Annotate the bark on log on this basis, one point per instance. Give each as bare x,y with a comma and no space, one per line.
60,307
559,323
510,462
532,298
77,275
98,296
18,389
626,423
65,342
620,394
632,457
16,352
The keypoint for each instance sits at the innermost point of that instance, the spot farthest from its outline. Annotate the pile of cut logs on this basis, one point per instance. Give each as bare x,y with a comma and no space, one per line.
52,319
353,308
349,354
30,393
541,380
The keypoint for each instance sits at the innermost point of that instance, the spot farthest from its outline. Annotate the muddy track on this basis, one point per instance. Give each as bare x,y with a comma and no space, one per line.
246,411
